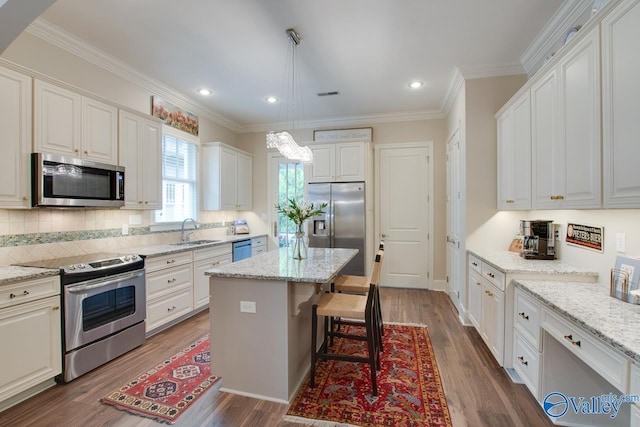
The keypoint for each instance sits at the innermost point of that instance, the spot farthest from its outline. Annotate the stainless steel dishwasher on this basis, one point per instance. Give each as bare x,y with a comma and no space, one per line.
241,250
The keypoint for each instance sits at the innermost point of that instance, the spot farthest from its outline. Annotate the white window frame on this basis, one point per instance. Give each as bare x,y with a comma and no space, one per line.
175,225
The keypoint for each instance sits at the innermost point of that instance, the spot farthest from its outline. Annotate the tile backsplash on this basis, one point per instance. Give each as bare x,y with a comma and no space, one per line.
30,235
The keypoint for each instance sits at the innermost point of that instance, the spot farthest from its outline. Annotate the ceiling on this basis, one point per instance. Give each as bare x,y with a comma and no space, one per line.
367,50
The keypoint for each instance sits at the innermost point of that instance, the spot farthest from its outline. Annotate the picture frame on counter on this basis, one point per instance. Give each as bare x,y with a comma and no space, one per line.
630,267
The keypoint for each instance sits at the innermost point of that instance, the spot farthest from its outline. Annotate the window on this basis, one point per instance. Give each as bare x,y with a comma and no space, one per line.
179,172
290,186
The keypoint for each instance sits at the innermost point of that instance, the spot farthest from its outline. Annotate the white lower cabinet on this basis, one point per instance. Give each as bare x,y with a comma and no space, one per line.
206,259
30,332
169,288
492,320
475,298
527,344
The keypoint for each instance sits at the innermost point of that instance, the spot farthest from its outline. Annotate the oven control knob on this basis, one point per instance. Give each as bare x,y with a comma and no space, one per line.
127,258
71,267
81,266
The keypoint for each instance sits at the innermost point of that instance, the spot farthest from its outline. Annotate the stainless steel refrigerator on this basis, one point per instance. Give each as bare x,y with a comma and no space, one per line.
342,225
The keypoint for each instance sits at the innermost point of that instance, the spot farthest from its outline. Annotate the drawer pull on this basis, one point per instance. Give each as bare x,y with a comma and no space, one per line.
510,201
54,308
571,340
521,360
215,263
491,275
489,293
524,316
171,309
475,264
24,294
171,280
478,283
171,261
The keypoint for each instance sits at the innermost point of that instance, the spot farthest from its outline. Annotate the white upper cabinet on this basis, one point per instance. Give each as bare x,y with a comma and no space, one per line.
67,123
565,130
620,95
15,133
141,155
226,178
514,154
338,162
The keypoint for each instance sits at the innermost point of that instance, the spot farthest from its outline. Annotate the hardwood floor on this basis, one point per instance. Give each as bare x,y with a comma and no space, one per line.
478,391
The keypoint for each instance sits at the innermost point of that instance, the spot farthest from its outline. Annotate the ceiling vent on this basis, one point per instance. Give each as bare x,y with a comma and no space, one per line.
335,92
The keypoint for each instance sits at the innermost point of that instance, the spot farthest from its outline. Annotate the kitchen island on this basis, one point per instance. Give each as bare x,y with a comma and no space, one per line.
260,313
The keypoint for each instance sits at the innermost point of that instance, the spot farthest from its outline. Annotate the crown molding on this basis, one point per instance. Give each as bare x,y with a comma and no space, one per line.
347,121
493,70
456,81
56,36
554,29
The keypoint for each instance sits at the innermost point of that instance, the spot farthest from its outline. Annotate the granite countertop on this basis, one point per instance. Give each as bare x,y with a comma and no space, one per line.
512,263
321,266
158,250
588,304
14,274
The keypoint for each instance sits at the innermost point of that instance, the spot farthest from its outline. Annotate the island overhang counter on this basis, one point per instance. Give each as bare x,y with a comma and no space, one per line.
260,314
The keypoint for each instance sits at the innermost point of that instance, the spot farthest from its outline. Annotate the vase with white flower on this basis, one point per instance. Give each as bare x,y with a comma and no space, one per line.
298,212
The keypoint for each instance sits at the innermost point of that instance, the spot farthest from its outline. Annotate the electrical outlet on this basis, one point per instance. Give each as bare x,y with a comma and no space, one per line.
247,306
125,229
621,242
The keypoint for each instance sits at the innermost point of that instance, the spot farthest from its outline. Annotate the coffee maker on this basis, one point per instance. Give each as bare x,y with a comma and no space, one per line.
538,239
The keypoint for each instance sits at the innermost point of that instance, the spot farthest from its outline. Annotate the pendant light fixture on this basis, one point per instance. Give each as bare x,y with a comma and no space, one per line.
283,140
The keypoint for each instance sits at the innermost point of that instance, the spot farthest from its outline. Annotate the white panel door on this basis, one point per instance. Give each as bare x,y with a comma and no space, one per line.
99,132
349,161
228,179
403,206
57,120
455,220
323,167
244,182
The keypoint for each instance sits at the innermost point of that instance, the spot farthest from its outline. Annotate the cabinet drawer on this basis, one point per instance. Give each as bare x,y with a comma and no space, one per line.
29,290
258,241
494,276
168,307
634,386
611,365
526,317
475,264
157,263
526,362
165,281
210,252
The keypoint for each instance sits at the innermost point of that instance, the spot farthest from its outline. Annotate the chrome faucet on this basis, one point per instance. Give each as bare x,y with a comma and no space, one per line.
183,238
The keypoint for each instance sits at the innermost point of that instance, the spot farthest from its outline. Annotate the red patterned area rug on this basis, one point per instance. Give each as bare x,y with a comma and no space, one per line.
168,389
410,391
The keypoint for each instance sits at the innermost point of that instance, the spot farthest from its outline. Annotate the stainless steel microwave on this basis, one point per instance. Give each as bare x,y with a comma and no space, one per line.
61,181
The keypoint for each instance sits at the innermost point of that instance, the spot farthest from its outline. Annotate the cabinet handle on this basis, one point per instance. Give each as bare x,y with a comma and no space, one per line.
171,309
24,294
140,202
25,198
56,307
521,360
146,202
571,340
491,275
478,283
557,197
475,264
171,261
86,151
215,263
489,293
509,201
76,150
171,280
524,316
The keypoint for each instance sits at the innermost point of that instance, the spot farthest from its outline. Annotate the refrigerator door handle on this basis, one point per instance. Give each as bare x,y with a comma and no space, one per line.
332,219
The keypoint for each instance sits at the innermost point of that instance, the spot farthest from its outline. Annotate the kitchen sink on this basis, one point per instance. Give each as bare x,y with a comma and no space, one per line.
195,242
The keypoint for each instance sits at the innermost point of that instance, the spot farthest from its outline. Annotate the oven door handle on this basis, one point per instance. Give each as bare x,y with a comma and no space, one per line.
100,283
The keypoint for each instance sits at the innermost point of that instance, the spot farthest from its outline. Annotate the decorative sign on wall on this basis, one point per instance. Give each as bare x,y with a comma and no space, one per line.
174,116
359,135
585,236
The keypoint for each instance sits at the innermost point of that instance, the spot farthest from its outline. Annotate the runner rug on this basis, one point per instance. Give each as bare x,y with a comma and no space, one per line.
409,386
168,389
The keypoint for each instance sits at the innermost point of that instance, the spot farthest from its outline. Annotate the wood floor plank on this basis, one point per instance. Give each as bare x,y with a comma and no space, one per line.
478,391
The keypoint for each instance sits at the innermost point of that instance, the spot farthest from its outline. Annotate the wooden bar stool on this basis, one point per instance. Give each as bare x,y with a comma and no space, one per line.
360,307
359,285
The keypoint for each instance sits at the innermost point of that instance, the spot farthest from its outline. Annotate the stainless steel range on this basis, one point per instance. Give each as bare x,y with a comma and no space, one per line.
103,300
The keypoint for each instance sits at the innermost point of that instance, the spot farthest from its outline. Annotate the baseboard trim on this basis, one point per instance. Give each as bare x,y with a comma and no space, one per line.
27,394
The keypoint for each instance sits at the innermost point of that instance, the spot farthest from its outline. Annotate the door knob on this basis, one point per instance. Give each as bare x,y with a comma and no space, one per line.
383,235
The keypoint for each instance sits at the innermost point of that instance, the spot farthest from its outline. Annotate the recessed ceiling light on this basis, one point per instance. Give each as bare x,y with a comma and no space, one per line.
271,99
415,85
204,92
